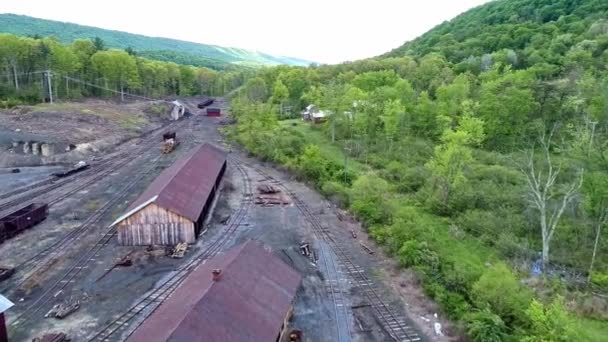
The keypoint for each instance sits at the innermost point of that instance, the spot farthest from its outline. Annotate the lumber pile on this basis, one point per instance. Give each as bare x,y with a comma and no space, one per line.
269,194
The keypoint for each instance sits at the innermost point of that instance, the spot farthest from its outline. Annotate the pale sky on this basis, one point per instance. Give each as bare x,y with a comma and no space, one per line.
326,31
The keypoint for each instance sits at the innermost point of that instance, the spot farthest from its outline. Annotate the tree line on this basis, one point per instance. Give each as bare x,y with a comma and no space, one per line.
23,60
474,171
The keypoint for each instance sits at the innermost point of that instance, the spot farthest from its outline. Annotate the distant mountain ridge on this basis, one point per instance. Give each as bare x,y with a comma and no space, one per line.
167,49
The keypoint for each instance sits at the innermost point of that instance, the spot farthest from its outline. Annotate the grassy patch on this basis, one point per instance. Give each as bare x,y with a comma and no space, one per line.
332,152
592,330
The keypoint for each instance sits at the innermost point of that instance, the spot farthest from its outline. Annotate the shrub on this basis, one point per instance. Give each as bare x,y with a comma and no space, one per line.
498,289
549,324
369,200
312,164
337,192
485,326
600,280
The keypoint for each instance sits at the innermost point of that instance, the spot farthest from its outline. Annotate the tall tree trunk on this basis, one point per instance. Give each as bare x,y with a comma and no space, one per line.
598,231
15,77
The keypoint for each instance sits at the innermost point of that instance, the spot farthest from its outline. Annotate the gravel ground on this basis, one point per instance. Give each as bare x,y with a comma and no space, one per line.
282,228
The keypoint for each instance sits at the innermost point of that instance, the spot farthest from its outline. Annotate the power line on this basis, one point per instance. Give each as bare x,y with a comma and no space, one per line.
110,90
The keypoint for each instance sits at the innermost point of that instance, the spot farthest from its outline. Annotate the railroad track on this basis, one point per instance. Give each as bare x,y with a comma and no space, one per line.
393,323
55,250
44,258
85,178
125,324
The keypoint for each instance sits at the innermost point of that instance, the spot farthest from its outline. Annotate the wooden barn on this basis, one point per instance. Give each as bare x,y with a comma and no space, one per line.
175,205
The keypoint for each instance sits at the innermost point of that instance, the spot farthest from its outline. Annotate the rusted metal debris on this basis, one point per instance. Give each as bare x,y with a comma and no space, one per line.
6,272
63,310
367,249
295,336
179,250
52,337
125,261
305,248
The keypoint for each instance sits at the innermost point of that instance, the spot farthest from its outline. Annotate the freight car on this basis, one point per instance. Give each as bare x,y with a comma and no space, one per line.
80,166
22,219
205,103
213,112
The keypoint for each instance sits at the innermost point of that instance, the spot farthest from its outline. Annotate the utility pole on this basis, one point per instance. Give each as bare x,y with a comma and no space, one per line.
49,85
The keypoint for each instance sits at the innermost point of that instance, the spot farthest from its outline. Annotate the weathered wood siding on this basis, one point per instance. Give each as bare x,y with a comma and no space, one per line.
153,225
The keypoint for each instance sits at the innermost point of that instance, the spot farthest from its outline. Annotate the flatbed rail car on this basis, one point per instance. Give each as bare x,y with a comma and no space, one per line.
205,103
80,166
22,219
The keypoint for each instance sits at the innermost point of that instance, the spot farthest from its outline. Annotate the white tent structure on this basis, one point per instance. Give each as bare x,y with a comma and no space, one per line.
178,110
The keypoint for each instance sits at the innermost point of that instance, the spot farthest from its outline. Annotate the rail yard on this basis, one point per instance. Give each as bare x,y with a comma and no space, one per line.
68,274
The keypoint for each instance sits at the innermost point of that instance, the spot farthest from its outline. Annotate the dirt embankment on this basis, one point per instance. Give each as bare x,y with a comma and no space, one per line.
69,132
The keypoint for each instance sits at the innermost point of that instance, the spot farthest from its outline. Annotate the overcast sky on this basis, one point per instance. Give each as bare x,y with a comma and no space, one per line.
326,31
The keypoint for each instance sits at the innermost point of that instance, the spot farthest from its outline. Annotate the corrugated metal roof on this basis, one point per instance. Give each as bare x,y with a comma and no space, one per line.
185,186
248,303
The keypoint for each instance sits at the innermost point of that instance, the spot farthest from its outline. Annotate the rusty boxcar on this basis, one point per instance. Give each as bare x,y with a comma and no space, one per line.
213,111
22,219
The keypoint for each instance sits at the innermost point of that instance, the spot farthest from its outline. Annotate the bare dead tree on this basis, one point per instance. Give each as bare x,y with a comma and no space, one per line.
599,223
541,190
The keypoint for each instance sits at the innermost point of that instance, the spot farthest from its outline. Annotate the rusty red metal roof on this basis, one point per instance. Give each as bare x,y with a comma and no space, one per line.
185,186
248,303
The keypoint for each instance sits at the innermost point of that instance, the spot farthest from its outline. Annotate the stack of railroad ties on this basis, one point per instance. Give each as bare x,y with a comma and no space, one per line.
269,194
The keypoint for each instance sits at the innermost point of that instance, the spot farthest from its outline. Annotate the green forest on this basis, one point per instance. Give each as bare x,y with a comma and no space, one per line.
88,68
164,49
475,154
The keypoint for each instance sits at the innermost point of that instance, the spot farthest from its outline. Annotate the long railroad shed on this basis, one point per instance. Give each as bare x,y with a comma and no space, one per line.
174,206
243,295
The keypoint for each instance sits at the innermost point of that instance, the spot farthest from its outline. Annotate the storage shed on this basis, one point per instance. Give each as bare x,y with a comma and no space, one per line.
213,112
175,204
244,295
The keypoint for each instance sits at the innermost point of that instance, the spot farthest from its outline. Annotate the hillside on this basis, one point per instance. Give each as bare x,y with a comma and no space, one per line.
476,156
165,49
537,30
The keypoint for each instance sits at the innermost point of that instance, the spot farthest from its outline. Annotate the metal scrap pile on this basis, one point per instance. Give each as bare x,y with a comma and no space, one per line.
52,337
269,194
62,310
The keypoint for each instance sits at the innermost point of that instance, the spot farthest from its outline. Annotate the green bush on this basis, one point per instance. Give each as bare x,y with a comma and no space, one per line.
485,326
312,164
336,191
600,279
499,290
369,199
549,324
